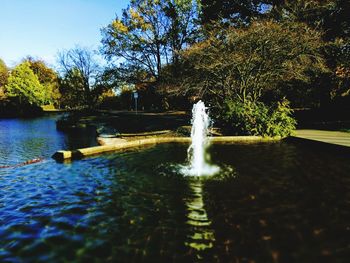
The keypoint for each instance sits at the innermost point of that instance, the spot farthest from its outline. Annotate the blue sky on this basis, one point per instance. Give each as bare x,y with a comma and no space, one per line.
42,27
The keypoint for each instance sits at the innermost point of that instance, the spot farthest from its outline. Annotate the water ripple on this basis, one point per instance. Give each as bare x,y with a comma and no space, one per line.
273,201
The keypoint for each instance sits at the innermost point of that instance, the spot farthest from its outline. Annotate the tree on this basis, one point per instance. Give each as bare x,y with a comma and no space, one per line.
184,27
48,79
234,11
71,86
4,72
331,17
25,85
243,64
3,76
150,34
79,64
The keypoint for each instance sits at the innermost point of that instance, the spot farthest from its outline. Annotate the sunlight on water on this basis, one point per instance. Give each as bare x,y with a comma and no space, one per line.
202,235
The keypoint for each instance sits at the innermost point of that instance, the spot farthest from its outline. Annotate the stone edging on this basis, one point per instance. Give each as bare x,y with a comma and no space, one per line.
81,153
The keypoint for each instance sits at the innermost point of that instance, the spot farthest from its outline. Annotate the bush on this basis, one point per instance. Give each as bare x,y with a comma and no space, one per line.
256,118
243,118
280,122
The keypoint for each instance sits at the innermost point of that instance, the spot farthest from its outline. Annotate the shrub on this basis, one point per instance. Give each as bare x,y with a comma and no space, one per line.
280,122
256,118
243,118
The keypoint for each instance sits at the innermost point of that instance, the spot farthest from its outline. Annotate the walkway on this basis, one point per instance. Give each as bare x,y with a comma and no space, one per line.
331,137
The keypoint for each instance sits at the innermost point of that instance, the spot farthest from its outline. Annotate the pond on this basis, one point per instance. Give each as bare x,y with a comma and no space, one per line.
277,202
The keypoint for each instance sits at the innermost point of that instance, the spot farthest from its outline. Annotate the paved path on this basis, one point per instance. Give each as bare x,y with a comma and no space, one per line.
332,137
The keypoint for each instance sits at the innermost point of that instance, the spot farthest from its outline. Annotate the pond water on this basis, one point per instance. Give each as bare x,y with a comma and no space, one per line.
279,202
26,139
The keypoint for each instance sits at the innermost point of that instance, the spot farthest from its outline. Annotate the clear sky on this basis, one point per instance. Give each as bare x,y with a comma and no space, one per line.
42,27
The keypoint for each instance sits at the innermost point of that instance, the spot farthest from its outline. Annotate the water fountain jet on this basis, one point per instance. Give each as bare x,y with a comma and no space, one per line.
197,155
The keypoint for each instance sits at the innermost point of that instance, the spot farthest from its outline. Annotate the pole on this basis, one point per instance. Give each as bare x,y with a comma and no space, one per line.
136,96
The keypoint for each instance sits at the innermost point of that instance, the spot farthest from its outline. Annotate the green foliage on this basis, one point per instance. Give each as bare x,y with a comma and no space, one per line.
244,118
25,85
3,73
48,79
280,122
123,101
72,89
255,118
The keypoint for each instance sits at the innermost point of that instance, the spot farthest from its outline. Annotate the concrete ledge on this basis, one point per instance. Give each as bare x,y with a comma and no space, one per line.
152,133
118,145
330,137
233,139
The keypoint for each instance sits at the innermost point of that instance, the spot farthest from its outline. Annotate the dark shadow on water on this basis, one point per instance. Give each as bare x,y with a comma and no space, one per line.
288,203
320,146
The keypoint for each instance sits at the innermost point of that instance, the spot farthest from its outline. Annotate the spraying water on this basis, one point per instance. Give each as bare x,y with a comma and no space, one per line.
197,151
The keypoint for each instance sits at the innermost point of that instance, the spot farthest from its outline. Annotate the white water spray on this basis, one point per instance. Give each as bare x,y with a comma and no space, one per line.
203,236
197,151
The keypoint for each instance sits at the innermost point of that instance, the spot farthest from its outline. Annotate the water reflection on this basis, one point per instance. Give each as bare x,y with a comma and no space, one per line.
287,204
202,235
